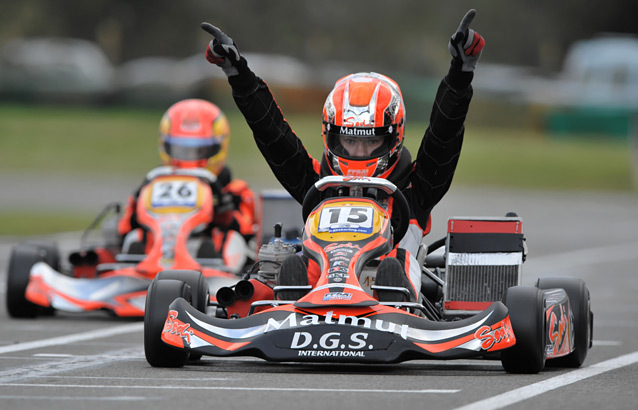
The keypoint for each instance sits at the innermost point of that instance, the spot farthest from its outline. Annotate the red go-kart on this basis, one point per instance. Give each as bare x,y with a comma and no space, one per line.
472,303
172,207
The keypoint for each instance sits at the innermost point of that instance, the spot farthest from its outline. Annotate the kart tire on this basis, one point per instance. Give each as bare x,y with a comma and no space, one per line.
199,290
161,293
23,257
580,304
51,252
292,272
52,258
526,306
199,286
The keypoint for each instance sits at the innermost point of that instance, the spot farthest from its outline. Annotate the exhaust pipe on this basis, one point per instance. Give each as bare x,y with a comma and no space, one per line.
244,290
225,296
85,258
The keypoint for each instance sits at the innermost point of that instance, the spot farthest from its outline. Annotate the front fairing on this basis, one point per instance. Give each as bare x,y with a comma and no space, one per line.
374,334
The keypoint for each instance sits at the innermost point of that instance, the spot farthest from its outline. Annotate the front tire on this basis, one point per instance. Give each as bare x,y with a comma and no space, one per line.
580,305
23,257
161,293
526,306
199,291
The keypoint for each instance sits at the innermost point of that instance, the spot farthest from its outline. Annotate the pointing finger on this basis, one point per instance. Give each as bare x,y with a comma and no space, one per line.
467,19
217,33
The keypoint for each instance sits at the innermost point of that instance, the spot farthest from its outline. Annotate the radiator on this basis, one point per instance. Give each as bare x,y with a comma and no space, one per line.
484,258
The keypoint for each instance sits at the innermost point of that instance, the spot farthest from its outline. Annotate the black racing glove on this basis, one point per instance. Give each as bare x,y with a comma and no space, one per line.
466,45
223,52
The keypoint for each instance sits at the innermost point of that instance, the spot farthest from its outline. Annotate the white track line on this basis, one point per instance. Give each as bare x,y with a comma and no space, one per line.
78,337
195,379
68,365
237,388
79,398
537,389
607,343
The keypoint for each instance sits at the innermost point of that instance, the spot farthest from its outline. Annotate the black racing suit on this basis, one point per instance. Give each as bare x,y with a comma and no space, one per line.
423,182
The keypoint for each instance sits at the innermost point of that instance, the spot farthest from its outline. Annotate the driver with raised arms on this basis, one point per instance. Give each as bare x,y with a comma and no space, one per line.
363,131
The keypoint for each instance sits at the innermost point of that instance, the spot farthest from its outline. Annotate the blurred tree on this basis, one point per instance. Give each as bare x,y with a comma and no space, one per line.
407,34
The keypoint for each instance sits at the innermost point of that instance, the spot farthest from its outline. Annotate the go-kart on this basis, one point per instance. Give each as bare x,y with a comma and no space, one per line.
472,303
172,208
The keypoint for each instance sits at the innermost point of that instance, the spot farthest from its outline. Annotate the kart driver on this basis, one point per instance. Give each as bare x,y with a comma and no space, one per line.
195,134
363,127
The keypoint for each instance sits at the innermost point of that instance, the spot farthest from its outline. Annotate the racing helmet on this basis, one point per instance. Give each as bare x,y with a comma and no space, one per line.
363,125
194,134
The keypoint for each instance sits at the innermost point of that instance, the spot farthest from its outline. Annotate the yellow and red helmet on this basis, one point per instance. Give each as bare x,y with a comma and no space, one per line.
363,108
194,134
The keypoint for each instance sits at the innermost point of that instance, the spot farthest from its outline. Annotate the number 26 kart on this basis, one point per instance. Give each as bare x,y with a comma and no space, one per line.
113,277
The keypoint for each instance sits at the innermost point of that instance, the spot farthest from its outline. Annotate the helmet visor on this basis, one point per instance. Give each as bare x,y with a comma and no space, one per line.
360,143
191,149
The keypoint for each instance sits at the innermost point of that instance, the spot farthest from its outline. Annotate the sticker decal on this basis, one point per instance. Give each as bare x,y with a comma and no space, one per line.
176,192
337,296
491,336
356,219
176,327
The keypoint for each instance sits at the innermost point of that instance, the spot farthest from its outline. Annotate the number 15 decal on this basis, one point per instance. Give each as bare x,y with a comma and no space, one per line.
346,219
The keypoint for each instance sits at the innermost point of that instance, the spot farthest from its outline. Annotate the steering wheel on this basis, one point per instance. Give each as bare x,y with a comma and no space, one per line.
400,210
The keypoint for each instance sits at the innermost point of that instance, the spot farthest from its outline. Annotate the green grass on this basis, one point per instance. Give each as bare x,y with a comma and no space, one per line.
61,140
110,142
533,160
31,223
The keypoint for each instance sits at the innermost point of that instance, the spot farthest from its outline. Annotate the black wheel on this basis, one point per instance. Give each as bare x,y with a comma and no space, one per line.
50,249
199,290
160,295
23,257
580,305
52,258
292,272
526,306
194,279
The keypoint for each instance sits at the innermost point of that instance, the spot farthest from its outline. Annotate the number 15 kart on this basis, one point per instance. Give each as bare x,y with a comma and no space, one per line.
472,303
171,207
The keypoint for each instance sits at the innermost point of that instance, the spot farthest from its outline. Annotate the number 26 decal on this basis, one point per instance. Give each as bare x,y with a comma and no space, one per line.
174,193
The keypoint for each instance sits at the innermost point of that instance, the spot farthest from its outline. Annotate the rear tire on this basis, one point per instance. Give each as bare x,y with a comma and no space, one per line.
580,304
23,257
161,293
194,279
526,306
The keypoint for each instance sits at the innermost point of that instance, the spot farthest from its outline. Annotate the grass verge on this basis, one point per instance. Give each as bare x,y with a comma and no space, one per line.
116,141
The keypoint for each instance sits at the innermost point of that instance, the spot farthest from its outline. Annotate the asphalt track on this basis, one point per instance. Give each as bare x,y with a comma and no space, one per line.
95,361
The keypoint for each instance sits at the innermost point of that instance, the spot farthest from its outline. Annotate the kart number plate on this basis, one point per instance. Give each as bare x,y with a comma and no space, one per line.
174,193
346,219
